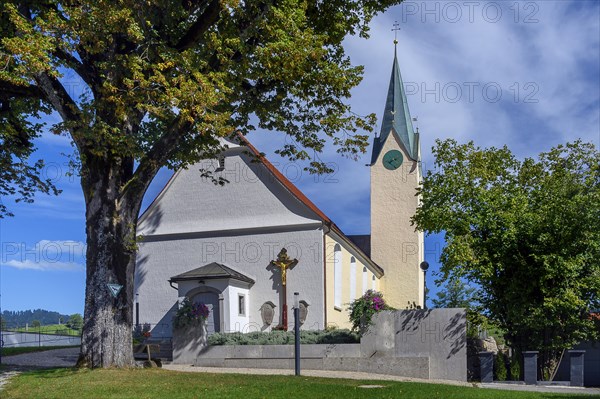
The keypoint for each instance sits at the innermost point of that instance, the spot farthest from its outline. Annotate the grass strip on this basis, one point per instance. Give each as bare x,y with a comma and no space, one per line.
157,383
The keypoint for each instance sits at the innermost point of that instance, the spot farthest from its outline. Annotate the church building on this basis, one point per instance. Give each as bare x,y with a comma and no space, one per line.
222,245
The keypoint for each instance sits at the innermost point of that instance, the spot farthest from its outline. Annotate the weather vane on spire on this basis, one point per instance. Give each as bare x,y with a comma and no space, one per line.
395,29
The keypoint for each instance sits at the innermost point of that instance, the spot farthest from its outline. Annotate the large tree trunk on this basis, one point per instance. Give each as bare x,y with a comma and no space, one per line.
110,227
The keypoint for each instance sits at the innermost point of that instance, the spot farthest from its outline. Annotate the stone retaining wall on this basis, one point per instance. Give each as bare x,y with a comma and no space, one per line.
429,344
341,357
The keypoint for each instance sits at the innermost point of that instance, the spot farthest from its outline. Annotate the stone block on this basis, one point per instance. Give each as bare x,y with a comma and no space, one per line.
577,367
188,342
277,351
247,351
342,363
311,350
437,334
260,363
486,361
530,367
342,350
379,338
311,364
413,367
216,352
209,362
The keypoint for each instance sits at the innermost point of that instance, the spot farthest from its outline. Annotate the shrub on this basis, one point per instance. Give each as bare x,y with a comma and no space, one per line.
284,338
515,367
190,313
362,309
500,372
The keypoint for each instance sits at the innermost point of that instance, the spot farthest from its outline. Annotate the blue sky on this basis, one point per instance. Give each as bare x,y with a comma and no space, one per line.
525,74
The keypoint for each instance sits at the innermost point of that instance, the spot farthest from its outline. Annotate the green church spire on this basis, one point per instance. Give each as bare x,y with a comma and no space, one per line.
396,117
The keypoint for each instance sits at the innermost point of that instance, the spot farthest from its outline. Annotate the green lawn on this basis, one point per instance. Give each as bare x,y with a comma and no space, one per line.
157,383
55,329
28,349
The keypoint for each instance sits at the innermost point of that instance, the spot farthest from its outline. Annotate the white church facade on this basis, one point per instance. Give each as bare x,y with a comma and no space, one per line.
216,244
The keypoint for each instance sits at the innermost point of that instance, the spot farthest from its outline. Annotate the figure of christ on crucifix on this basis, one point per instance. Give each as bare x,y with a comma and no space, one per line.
283,262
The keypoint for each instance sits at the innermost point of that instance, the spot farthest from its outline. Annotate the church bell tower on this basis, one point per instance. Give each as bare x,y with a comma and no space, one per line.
395,176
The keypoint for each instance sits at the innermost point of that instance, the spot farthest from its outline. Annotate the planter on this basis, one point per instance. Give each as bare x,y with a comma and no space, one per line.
188,342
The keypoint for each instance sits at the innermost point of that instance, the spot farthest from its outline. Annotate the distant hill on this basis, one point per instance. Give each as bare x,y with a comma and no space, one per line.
19,318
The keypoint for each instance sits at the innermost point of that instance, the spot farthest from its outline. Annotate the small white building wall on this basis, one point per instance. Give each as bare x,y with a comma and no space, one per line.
236,321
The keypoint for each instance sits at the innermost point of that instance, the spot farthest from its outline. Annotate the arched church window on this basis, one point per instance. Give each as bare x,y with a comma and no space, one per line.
352,278
365,280
337,276
374,280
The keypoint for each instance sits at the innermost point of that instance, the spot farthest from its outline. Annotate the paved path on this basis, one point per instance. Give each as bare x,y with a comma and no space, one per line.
46,359
37,360
542,388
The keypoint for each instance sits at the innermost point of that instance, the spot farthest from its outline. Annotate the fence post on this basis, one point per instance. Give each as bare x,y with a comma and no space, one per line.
577,357
530,366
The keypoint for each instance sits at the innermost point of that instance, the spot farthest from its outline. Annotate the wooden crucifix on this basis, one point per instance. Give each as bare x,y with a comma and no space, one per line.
283,262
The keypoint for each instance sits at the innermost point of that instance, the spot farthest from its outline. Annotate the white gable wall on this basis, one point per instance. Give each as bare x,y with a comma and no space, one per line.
253,198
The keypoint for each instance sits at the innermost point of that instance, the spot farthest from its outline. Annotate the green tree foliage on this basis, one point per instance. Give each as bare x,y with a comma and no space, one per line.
455,293
526,232
75,321
161,81
18,318
36,324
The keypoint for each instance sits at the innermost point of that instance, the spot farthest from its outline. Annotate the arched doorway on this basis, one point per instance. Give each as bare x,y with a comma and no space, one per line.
211,300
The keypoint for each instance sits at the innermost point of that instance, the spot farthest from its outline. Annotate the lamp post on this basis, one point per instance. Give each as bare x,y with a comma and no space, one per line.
137,311
297,332
424,266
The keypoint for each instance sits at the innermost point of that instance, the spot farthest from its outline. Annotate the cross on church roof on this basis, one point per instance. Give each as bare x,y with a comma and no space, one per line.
395,29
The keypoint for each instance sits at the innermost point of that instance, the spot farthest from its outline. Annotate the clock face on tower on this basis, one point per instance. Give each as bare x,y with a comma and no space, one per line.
392,159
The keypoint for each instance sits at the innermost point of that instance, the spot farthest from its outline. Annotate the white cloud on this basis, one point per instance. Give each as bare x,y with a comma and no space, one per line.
46,255
29,264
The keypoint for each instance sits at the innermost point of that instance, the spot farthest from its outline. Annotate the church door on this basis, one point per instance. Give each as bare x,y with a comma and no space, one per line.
211,300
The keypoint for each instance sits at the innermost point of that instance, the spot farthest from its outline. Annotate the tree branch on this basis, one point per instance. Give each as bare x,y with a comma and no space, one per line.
73,63
55,93
149,165
11,90
204,21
